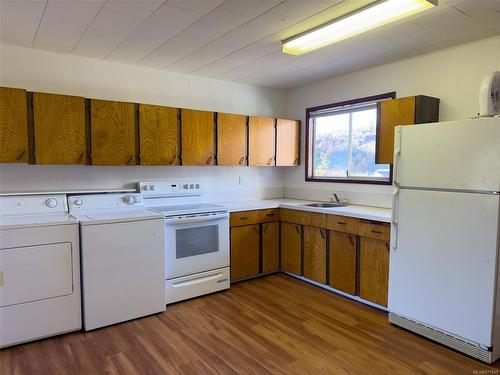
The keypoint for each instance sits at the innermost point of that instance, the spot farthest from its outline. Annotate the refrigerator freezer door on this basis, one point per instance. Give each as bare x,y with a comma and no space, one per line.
442,272
459,155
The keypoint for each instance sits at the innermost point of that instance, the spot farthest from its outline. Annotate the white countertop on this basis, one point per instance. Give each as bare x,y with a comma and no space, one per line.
362,212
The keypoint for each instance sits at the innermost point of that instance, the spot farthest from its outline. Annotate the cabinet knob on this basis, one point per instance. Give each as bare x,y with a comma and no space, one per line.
241,160
21,154
209,160
351,240
269,161
297,228
322,232
296,161
130,159
79,157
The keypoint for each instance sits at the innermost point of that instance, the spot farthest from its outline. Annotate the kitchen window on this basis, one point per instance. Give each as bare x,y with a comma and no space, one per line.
341,141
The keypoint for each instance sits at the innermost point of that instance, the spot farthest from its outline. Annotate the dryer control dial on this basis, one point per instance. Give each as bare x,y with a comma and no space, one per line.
51,202
129,199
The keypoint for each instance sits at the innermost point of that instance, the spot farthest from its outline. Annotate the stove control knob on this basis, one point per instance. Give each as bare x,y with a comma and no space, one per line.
51,202
151,187
78,202
129,199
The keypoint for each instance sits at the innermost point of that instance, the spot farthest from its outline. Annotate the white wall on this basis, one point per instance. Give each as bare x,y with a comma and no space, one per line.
453,75
38,70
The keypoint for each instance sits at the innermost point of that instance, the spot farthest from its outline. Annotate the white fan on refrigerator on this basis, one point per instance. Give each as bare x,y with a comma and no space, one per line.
489,95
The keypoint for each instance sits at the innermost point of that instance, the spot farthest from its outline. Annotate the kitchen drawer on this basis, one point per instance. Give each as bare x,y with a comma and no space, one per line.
303,217
374,229
343,224
269,215
244,218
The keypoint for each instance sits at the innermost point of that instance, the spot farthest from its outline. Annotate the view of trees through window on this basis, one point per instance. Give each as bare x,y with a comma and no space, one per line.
344,145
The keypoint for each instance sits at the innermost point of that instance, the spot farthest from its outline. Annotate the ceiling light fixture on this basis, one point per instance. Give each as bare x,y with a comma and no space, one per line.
353,24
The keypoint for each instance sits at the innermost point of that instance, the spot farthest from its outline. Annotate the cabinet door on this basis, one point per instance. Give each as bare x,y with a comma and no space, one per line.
231,139
13,126
374,270
270,247
159,135
315,254
291,248
244,251
287,142
59,129
343,262
198,137
391,114
260,141
113,132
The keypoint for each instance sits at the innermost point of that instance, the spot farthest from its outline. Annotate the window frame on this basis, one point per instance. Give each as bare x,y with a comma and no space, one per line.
309,138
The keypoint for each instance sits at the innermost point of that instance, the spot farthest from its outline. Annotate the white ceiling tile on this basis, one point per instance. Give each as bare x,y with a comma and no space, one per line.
249,8
115,21
164,23
200,6
64,22
256,65
19,21
299,9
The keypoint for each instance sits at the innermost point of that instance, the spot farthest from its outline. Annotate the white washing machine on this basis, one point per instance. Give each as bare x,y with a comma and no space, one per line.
39,269
123,258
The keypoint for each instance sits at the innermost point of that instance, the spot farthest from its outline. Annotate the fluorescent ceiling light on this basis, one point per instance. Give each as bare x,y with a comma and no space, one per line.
366,19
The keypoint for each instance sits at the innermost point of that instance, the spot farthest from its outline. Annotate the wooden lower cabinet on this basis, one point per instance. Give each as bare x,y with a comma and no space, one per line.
270,247
374,270
245,248
291,248
343,262
315,254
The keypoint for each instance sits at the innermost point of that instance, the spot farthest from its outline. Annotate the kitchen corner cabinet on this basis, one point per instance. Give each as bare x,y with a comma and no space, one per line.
113,132
231,139
342,250
287,142
198,137
245,241
291,248
59,129
374,270
270,247
13,126
402,111
261,136
315,254
159,135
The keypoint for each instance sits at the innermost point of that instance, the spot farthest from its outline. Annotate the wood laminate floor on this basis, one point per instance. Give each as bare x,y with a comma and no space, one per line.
275,324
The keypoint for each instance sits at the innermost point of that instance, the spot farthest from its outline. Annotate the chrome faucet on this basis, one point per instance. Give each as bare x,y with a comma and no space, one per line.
335,198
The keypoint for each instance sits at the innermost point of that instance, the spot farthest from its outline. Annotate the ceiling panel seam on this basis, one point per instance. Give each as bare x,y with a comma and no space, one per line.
39,23
88,26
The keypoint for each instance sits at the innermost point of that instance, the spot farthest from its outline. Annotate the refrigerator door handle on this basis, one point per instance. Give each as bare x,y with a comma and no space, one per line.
394,223
397,153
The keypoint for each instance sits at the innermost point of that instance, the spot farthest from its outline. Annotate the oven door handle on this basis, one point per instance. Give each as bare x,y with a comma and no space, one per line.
195,218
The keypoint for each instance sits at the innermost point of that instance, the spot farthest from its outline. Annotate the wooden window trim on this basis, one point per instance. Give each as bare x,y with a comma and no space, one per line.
307,170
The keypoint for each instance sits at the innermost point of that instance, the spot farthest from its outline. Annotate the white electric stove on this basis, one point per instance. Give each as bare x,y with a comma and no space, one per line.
196,238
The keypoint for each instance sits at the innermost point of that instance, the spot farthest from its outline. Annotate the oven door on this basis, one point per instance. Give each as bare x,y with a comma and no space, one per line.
196,243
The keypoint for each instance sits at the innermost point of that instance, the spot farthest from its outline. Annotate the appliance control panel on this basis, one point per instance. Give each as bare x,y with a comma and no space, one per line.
33,204
170,188
103,201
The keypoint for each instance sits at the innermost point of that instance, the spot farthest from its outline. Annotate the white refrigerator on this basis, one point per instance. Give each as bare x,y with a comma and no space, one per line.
443,278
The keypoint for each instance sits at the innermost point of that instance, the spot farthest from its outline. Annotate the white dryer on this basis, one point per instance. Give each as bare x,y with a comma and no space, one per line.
39,268
123,258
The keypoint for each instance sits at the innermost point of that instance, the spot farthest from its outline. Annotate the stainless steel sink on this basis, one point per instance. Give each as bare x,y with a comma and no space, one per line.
326,205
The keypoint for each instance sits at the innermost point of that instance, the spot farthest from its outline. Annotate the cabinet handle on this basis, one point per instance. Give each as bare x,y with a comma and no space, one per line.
341,223
322,233
21,154
269,215
376,231
269,161
79,158
243,218
256,229
296,161
351,240
172,162
130,159
264,227
209,160
241,160
387,246
297,229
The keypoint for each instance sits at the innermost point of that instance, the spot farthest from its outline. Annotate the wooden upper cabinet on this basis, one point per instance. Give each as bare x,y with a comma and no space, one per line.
113,132
198,137
260,141
231,139
315,254
59,129
13,126
159,135
402,111
287,142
